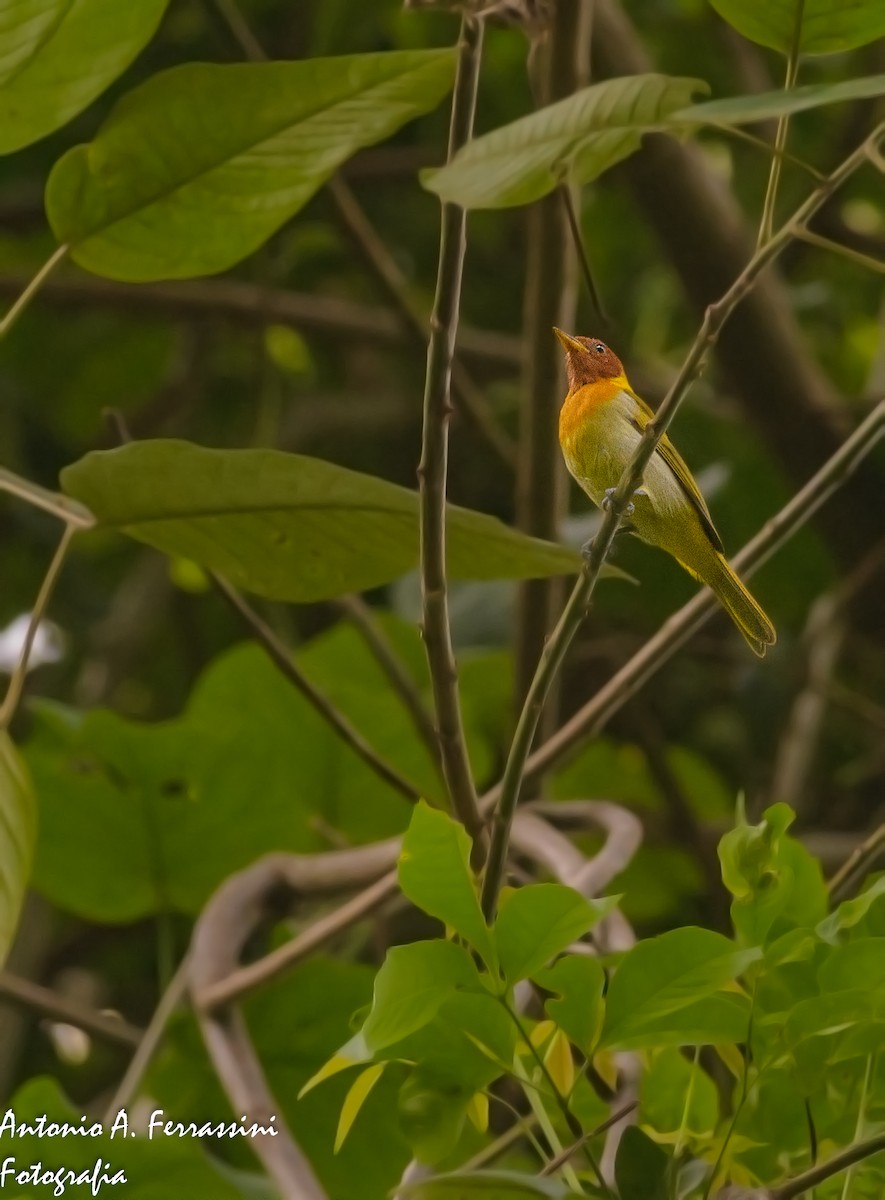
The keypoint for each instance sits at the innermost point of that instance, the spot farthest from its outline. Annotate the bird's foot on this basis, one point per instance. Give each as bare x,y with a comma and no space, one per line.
631,507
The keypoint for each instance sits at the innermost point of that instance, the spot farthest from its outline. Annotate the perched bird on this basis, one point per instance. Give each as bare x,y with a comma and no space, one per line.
600,425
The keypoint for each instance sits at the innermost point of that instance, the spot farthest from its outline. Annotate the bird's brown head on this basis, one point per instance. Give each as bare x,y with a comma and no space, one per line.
588,360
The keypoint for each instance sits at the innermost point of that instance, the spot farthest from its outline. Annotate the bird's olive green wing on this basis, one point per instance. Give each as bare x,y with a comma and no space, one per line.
677,465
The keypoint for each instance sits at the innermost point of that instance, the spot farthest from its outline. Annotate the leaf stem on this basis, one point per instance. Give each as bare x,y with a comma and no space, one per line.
433,467
17,679
715,318
31,290
780,140
855,256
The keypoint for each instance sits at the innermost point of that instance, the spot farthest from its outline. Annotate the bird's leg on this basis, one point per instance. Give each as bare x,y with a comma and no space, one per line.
631,507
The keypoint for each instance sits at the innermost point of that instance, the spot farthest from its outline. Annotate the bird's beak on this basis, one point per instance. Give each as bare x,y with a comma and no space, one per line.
568,342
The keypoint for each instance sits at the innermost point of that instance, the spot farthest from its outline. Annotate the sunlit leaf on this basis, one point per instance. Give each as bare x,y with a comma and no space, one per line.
434,872
56,56
578,1006
355,1099
850,912
537,922
576,139
198,166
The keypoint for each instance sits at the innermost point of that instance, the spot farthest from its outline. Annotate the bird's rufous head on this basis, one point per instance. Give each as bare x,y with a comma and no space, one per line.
588,360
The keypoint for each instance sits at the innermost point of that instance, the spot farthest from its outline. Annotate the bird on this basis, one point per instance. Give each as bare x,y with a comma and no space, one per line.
600,426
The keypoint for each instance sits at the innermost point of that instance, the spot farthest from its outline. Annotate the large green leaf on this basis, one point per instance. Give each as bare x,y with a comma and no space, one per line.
576,139
762,106
640,1167
663,975
56,56
289,527
157,815
196,168
828,26
18,830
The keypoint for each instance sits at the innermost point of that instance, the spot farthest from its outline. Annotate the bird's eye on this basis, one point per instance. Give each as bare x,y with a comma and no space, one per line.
599,348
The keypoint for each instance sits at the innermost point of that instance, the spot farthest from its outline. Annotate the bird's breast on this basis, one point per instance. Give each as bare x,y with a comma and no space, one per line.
597,435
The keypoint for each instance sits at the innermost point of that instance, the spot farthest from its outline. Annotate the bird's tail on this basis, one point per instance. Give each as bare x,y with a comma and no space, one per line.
758,631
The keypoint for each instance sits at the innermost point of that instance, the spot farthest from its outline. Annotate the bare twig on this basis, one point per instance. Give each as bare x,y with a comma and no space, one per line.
557,66
31,289
355,609
766,224
17,679
149,1043
433,468
61,1008
252,304
560,1160
859,863
282,658
855,256
811,1178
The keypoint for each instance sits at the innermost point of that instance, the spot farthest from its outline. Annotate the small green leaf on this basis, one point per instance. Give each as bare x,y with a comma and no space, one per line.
198,166
678,1094
431,1116
856,964
575,139
828,26
289,527
411,987
485,1185
640,1167
579,982
18,822
537,922
662,975
355,1099
434,872
763,106
850,912
56,56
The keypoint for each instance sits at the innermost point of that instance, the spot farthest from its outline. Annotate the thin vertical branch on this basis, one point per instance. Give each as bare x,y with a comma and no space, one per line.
17,679
558,65
31,290
433,467
767,222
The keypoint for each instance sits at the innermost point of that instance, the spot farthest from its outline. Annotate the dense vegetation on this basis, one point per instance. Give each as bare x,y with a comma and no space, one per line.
565,894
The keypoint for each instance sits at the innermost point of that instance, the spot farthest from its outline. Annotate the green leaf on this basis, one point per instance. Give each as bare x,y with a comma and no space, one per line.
776,883
676,1093
537,922
18,825
579,982
357,1094
828,26
486,1185
434,872
56,56
194,169
850,912
664,974
149,1166
856,964
412,985
640,1167
431,1116
468,1044
157,815
575,139
762,106
289,527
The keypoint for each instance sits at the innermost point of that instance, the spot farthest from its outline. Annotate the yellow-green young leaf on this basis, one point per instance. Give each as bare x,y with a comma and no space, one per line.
559,1062
434,872
18,830
354,1100
286,526
348,1056
194,169
478,1111
56,56
542,1031
828,26
576,139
